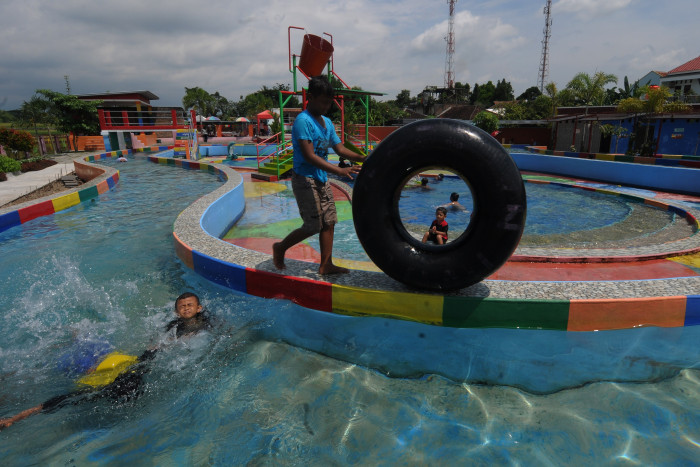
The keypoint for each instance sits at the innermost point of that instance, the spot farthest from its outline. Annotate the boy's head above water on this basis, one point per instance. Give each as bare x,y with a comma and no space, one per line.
440,213
187,305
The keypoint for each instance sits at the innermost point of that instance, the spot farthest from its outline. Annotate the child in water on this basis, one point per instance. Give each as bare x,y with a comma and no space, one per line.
438,229
454,203
119,376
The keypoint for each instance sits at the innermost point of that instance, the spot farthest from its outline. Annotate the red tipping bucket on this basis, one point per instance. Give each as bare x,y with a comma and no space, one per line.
315,53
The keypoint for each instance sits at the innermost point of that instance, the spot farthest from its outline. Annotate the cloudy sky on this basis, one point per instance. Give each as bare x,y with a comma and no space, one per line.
236,46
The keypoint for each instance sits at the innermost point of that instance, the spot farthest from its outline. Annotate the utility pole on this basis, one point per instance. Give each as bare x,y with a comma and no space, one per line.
449,58
544,61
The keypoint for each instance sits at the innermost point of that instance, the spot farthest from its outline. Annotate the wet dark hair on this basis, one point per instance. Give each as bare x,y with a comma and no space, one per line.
320,86
442,210
423,181
454,196
186,295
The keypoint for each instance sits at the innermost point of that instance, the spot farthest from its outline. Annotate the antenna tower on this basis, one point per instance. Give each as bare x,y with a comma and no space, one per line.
544,61
449,57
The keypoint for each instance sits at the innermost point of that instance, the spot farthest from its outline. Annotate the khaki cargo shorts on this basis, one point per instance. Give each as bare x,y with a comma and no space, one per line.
315,201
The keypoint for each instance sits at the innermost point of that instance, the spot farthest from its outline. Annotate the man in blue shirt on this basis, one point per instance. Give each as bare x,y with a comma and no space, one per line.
312,135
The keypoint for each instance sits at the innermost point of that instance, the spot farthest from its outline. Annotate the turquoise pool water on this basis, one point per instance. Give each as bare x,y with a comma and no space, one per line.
243,394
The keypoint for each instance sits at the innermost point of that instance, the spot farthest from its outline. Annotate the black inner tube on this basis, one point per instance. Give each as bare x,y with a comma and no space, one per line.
497,221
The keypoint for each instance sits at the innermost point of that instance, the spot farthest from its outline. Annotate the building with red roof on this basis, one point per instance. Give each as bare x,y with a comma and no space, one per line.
684,79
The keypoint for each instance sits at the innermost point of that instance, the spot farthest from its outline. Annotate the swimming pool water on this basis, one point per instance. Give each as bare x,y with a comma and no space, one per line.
557,216
243,394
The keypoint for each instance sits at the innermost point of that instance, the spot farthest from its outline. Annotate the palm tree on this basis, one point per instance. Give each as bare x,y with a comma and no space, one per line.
198,99
590,90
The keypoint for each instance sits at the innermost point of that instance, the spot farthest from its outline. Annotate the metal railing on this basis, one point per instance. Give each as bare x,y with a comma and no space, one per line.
145,120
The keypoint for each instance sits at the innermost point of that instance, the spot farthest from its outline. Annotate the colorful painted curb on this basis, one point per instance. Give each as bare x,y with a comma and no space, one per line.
448,311
60,202
668,160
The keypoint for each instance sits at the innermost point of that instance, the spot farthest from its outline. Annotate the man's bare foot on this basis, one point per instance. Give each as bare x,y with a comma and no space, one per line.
332,269
278,256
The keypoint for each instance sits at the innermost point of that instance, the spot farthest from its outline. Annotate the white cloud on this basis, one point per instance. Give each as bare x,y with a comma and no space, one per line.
589,9
235,46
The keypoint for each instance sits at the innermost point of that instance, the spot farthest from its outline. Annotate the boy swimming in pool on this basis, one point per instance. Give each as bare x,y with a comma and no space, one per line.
312,135
119,376
438,229
454,203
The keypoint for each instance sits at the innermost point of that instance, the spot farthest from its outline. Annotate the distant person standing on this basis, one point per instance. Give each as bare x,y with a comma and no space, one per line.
312,135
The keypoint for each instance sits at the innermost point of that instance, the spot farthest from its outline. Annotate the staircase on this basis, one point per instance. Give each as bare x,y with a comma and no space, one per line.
279,164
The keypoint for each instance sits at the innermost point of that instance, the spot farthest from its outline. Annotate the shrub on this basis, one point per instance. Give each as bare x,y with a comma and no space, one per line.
487,121
16,141
37,164
9,165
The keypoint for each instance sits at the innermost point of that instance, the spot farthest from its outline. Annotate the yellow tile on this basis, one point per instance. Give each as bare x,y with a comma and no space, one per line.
688,260
369,302
64,202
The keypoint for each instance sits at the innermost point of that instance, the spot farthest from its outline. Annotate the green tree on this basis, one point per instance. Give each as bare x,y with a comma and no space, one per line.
656,101
200,100
514,111
550,90
403,99
38,111
530,94
540,108
487,121
73,115
35,112
483,95
462,93
503,91
6,117
590,90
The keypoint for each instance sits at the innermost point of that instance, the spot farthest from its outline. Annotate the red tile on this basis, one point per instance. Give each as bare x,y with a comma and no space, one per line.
639,270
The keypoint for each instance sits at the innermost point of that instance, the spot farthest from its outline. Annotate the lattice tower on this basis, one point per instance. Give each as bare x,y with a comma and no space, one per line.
449,56
544,61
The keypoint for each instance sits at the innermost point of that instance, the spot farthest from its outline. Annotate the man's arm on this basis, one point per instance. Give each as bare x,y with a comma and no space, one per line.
307,150
346,153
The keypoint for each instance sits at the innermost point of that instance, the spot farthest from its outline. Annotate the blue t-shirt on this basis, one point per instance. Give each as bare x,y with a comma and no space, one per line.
307,128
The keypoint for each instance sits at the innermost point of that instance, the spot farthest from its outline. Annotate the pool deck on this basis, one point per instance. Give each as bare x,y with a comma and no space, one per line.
19,185
574,289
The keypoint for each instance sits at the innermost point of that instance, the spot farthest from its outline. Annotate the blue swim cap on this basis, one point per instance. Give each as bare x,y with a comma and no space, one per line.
82,356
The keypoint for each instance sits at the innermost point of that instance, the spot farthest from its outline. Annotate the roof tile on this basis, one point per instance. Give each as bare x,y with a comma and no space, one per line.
692,65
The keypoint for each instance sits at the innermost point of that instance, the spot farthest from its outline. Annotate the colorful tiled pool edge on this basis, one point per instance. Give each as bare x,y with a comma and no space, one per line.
690,218
668,160
204,253
52,204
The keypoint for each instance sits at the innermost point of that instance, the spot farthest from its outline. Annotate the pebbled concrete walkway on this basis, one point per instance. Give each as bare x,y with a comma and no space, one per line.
19,185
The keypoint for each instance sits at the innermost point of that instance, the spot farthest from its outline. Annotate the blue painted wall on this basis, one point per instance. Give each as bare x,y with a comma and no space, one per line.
678,136
673,179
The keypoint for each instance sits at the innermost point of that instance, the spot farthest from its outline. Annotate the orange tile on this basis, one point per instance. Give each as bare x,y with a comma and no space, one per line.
604,314
102,187
183,252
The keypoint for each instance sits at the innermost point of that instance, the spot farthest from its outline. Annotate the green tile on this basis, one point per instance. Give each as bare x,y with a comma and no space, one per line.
88,193
470,312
